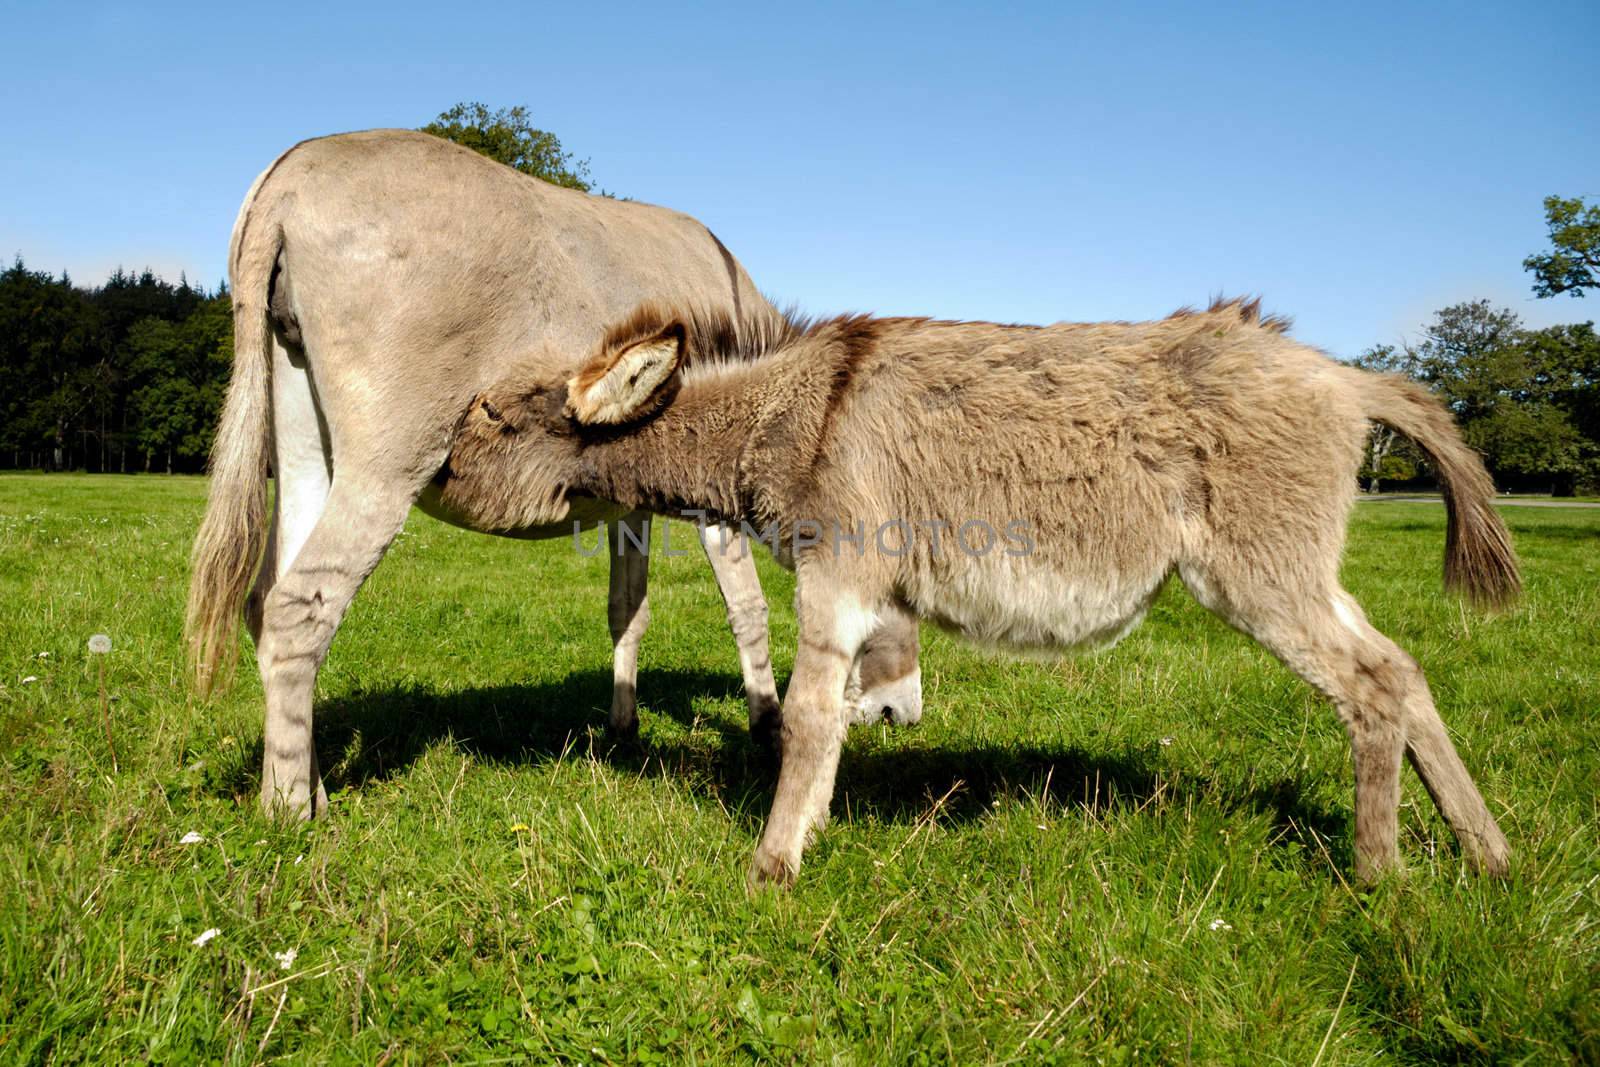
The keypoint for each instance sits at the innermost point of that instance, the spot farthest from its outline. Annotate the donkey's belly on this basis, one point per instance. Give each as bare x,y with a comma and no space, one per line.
583,513
1008,603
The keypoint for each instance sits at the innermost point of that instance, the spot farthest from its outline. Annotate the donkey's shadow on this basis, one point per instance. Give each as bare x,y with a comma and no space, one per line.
368,736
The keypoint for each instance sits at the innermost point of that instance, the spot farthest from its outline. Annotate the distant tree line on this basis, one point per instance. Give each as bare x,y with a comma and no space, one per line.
1529,400
130,376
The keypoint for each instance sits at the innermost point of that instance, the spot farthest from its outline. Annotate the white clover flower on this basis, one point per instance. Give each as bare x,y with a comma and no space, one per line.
285,958
205,935
1221,924
99,644
190,838
1165,741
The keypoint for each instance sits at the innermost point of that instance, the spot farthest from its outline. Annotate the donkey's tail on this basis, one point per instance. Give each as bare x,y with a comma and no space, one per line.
229,543
1478,560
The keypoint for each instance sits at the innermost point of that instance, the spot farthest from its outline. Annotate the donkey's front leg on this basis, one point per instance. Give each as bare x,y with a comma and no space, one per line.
735,569
832,624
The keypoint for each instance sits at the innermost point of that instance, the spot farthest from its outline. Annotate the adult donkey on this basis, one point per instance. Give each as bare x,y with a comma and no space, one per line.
380,281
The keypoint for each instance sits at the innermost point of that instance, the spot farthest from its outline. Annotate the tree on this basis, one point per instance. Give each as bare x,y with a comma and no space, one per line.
87,375
507,136
1388,454
1573,263
1513,391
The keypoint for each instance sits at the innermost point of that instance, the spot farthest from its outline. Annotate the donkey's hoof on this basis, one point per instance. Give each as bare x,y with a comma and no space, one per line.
769,869
623,727
285,808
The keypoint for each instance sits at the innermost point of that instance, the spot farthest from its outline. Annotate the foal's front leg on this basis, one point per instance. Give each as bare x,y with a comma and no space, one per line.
832,625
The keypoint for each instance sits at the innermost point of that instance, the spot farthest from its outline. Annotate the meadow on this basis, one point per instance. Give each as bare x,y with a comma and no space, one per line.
1138,856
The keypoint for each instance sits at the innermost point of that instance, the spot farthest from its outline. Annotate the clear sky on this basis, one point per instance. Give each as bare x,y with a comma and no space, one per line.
1360,165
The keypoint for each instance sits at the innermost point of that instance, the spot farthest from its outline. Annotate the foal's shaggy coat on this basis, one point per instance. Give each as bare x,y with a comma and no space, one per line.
1207,444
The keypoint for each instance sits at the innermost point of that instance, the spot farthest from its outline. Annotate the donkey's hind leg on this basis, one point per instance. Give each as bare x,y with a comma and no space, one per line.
1365,676
302,464
300,615
1382,697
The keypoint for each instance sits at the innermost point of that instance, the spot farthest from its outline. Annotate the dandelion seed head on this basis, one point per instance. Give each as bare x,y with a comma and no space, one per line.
100,644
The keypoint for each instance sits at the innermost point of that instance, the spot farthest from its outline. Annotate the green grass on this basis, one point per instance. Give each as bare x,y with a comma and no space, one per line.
1032,874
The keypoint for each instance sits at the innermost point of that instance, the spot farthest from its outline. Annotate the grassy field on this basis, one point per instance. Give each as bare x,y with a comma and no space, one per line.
1138,856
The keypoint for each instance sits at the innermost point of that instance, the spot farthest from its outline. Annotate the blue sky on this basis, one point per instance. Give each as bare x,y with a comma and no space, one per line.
1360,165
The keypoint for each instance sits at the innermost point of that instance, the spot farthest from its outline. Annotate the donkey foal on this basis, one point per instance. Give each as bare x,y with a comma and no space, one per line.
1111,455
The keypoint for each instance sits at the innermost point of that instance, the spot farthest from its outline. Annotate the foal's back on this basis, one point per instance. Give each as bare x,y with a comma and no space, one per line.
1123,449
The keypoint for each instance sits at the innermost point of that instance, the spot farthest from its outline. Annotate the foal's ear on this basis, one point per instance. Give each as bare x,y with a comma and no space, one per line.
625,383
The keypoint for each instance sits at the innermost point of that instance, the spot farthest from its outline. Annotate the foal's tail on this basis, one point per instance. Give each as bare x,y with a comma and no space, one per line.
1478,560
229,543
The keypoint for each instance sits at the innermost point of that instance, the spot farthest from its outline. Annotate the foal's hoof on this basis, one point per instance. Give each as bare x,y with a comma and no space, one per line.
1489,854
769,869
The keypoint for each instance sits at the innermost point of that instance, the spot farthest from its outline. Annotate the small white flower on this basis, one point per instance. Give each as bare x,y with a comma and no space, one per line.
190,838
99,644
30,679
43,655
1165,741
298,858
1221,924
205,935
285,958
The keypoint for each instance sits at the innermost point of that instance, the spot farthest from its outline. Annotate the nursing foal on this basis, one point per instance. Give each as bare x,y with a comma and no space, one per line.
1022,486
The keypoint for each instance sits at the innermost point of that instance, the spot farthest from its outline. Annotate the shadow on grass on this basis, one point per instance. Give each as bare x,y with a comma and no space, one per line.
368,736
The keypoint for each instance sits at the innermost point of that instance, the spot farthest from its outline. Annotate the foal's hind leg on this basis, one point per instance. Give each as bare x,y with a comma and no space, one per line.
1382,697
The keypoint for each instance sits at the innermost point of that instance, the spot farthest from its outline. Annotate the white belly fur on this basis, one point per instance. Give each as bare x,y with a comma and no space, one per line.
1007,603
